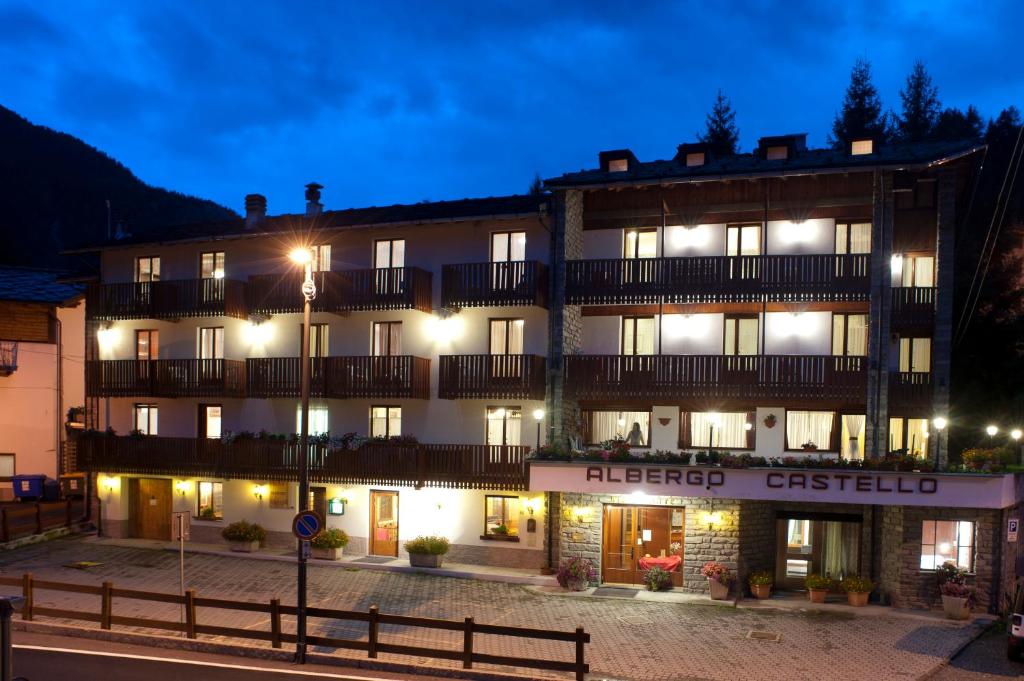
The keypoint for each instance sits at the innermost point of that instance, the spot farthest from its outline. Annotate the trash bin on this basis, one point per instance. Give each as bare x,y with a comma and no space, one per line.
28,486
51,490
72,485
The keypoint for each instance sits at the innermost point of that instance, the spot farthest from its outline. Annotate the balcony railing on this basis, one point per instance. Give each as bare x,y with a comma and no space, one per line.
910,393
172,299
711,279
744,377
431,465
396,377
510,377
165,378
395,288
913,308
494,284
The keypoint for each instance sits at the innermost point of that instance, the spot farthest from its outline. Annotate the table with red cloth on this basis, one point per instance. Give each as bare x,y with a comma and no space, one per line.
667,563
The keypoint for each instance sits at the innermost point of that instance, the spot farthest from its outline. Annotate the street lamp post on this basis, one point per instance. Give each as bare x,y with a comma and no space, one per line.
304,257
538,415
1016,434
940,424
991,432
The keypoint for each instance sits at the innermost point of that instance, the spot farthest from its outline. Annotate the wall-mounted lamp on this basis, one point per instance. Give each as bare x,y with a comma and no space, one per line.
712,519
181,487
896,263
260,491
109,484
108,337
531,505
581,514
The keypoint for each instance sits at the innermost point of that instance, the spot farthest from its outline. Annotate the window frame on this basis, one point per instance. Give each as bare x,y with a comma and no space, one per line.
504,423
152,417
509,235
223,264
739,226
153,334
636,243
213,504
846,333
910,354
974,543
634,318
203,420
686,426
215,345
14,466
504,516
833,437
848,223
737,318
321,256
587,417
508,322
373,337
151,259
387,420
391,253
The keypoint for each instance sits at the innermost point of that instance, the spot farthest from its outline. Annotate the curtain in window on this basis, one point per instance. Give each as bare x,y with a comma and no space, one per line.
503,426
318,421
809,426
385,421
915,354
917,436
895,433
609,425
840,551
638,335
853,436
729,429
857,335
860,237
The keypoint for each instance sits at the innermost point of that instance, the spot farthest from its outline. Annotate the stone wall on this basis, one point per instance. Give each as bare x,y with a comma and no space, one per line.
757,539
1012,552
566,320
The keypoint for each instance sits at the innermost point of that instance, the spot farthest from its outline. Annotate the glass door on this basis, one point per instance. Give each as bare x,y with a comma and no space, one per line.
639,538
508,251
810,546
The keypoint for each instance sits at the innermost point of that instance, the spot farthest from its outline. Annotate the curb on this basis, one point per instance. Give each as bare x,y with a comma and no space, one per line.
979,632
253,652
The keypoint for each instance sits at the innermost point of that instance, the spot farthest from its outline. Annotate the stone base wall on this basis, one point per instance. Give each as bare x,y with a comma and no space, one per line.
1012,552
497,556
757,540
117,529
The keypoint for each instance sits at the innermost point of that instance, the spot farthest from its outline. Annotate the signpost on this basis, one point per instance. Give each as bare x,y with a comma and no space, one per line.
181,527
1012,527
306,525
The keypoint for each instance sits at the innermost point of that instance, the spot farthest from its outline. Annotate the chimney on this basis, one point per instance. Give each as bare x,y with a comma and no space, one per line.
313,205
255,210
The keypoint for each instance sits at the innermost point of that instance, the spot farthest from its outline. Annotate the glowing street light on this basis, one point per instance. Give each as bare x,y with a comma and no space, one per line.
940,425
1015,433
538,415
991,431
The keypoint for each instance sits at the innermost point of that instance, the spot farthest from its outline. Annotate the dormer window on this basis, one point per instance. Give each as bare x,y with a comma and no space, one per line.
862,147
616,161
777,153
618,165
695,159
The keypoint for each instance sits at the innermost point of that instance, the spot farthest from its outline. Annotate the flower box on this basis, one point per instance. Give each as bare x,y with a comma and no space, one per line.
327,554
244,546
956,608
857,599
719,591
817,595
426,560
761,591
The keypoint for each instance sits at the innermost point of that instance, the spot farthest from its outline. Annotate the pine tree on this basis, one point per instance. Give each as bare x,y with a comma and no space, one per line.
861,115
920,106
1003,129
954,124
721,134
536,185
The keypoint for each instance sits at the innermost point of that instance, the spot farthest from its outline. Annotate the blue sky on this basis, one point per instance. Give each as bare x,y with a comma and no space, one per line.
400,102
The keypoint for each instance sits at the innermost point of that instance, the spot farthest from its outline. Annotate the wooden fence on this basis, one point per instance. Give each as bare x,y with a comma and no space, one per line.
276,636
24,519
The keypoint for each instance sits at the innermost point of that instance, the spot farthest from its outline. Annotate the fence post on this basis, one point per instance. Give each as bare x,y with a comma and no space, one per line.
467,644
26,592
39,518
372,636
106,605
190,613
275,622
581,667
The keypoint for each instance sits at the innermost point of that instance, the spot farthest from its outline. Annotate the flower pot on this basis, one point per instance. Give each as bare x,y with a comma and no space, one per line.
327,554
426,560
817,595
719,591
857,598
761,591
244,546
956,608
577,585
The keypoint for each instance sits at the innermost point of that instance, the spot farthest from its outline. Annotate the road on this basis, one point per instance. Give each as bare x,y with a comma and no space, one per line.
983,660
40,657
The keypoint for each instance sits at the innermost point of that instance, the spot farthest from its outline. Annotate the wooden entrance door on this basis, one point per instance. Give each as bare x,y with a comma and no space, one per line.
635,533
151,510
383,523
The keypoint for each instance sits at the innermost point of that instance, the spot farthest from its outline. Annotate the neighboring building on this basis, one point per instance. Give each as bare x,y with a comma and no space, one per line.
42,334
789,302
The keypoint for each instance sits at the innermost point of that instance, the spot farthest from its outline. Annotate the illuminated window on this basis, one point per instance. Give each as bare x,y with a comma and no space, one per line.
632,426
779,153
385,421
809,428
638,335
147,269
210,500
618,165
389,253
319,423
147,344
210,421
915,355
743,240
850,335
211,344
862,147
853,237
947,540
387,339
321,258
720,430
503,425
211,265
501,516
695,159
6,467
909,434
278,494
144,419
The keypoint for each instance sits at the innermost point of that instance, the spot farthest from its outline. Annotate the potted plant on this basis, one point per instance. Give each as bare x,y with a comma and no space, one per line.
576,574
818,587
427,552
761,584
857,590
719,578
329,544
658,579
957,597
809,446
244,536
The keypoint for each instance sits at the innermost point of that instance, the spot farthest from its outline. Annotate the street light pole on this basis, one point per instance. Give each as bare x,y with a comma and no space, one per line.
538,415
940,424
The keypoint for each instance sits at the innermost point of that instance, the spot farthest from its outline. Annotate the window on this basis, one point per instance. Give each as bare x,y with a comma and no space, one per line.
718,430
862,147
503,425
853,237
918,270
387,339
850,335
144,418
508,246
385,421
916,355
618,165
211,342
319,424
909,434
209,421
501,512
640,244
318,337
851,439
278,495
943,540
6,467
779,153
211,265
321,258
389,253
210,500
147,344
618,425
743,240
638,335
506,336
147,269
695,159
740,335
809,427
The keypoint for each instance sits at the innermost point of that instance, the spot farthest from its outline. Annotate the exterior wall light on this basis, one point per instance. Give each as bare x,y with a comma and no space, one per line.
110,483
181,487
260,491
712,519
108,337
896,263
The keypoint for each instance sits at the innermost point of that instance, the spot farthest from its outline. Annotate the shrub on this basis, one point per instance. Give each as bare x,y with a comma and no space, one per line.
431,546
208,514
501,530
331,538
658,579
987,460
857,585
575,569
718,572
948,573
245,531
819,582
762,578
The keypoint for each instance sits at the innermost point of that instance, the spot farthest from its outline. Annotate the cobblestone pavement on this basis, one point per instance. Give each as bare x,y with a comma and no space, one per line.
630,639
983,660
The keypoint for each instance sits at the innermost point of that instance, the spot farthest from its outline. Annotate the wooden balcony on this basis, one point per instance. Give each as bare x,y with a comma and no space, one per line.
393,377
172,299
910,394
165,378
415,465
717,279
396,288
913,309
512,377
745,378
494,284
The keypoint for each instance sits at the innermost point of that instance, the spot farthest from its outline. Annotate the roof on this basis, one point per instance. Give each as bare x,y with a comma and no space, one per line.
29,285
810,160
495,207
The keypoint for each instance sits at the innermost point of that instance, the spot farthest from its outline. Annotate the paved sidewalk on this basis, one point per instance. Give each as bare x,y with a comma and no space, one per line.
631,639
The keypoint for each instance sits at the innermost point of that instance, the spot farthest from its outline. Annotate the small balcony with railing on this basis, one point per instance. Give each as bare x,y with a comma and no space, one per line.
170,299
391,288
716,279
165,378
392,377
494,284
913,309
740,378
512,377
910,393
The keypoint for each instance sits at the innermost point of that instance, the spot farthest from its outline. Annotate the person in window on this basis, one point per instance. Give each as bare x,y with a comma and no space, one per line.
635,437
